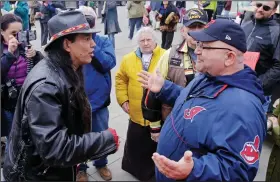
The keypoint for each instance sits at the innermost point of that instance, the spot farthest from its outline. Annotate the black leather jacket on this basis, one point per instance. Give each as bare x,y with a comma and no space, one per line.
47,140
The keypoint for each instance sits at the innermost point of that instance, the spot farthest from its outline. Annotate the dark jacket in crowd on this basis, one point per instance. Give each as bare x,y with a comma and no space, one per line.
47,138
263,36
47,12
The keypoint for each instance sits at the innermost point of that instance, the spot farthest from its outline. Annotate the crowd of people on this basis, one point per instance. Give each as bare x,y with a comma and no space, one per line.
196,111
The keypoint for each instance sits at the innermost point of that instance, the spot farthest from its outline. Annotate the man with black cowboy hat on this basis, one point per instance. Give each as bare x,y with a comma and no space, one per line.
217,126
51,132
177,65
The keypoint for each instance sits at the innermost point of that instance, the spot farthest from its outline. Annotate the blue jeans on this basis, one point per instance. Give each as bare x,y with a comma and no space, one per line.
111,37
100,121
134,22
9,116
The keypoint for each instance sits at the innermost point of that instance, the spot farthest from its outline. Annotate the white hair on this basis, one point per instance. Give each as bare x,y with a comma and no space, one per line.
149,30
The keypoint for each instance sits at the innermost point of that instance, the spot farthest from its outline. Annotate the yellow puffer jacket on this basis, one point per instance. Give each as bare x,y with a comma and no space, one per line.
127,86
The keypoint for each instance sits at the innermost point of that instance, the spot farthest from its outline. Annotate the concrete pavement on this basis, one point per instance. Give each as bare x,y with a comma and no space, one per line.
119,120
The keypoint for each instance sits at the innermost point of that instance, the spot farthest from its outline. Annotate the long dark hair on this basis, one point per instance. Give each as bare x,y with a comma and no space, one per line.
61,58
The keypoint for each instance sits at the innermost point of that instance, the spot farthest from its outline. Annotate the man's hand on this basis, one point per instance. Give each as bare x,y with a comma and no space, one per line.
160,15
153,81
175,170
125,107
155,136
272,122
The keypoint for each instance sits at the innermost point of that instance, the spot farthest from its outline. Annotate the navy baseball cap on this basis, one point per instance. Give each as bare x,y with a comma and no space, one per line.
195,15
223,30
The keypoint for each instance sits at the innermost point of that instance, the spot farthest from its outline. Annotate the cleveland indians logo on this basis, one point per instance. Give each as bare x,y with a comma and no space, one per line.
250,152
192,112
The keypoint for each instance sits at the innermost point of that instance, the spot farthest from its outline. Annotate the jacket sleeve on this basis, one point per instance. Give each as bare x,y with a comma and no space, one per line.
122,83
105,55
272,76
234,144
151,110
169,93
55,145
128,5
7,60
163,64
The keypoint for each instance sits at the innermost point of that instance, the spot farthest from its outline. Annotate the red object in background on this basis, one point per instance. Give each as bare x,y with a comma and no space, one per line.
251,59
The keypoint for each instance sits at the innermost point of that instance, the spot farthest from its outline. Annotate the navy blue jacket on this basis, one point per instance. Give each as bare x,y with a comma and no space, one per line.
98,78
221,120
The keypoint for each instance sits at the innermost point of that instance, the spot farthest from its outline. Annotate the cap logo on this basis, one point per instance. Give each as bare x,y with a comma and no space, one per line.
210,23
194,15
228,37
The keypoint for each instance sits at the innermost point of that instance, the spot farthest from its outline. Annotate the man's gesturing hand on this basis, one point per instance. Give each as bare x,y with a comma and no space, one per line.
175,170
151,81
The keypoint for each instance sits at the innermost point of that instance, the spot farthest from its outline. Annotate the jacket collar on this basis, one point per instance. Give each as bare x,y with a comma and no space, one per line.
207,87
60,72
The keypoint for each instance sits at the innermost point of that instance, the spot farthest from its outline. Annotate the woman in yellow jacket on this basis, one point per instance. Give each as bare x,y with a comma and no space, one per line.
139,146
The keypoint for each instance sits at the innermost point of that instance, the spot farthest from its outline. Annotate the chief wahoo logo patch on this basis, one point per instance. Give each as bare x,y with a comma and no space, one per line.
250,152
192,112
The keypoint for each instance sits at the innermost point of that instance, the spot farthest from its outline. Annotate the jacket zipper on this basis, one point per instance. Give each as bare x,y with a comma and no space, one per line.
251,32
148,71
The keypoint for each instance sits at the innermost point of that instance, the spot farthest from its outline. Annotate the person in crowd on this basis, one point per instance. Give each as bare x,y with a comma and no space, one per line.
51,131
155,6
100,7
6,7
34,7
22,10
136,12
111,22
211,134
181,5
272,173
47,11
210,7
177,65
17,60
97,76
220,7
263,36
227,8
168,16
139,146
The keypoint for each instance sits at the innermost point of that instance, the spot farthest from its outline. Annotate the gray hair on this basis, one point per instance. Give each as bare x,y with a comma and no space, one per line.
149,30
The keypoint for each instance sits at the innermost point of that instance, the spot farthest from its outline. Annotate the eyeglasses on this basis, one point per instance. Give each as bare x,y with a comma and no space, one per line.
265,7
200,46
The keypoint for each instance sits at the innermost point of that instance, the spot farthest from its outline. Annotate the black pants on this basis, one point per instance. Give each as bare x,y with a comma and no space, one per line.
166,39
44,33
138,152
209,13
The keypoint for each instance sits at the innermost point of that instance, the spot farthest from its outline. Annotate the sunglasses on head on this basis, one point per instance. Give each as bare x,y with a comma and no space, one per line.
265,7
